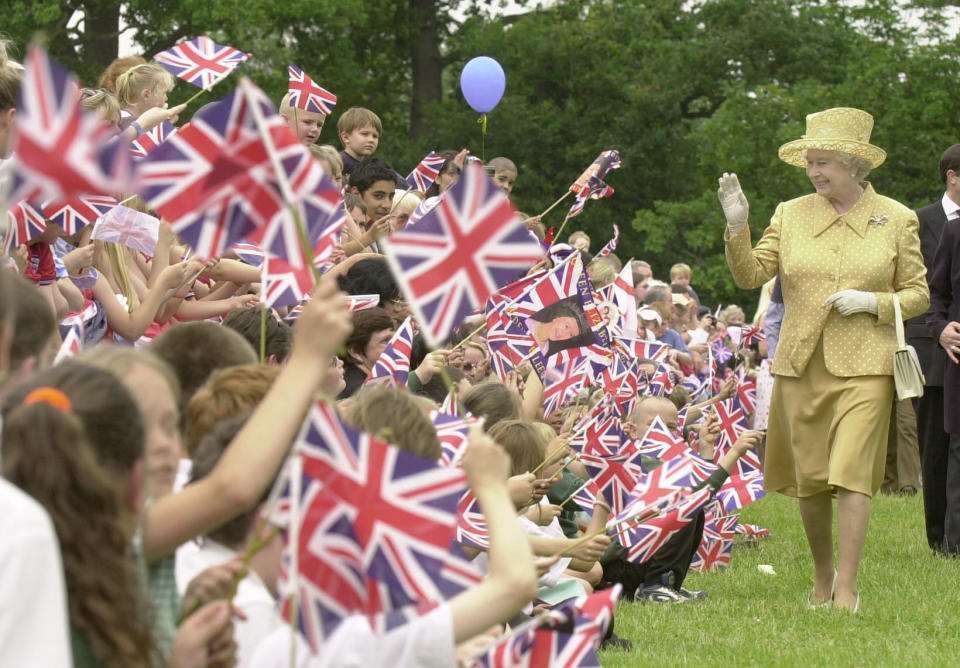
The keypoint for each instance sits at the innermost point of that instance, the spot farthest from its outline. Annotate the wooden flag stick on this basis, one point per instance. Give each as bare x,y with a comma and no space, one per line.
570,461
554,205
557,235
546,460
575,492
196,95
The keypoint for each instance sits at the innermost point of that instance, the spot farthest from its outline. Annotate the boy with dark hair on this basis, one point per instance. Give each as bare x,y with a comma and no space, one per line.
359,131
374,180
279,336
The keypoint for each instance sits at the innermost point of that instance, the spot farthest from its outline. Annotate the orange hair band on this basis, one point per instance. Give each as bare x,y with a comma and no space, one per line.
49,395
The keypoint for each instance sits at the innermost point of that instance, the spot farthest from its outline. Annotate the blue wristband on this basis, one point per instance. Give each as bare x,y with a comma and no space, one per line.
138,128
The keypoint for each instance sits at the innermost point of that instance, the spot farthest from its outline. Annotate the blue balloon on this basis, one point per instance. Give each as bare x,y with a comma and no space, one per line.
483,82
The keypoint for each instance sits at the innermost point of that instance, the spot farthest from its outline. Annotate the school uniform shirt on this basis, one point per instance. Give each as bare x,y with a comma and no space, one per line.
425,642
33,613
874,247
253,598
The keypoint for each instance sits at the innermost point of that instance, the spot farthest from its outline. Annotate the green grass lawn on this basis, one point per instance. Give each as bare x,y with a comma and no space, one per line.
909,611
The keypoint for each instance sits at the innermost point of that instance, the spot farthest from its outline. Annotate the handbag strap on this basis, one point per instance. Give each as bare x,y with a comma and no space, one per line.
898,321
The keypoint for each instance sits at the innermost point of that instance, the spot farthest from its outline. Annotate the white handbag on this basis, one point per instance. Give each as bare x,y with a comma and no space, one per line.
907,375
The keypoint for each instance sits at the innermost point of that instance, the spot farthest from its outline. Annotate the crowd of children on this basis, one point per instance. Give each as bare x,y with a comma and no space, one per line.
135,472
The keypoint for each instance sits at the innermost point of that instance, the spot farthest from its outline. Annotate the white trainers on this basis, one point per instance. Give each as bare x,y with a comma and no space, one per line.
658,594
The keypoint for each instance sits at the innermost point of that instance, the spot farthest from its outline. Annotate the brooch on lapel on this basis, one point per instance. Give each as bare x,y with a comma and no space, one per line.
876,220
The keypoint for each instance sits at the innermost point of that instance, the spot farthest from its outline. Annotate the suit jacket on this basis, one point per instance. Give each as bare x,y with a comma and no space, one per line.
932,357
874,247
944,307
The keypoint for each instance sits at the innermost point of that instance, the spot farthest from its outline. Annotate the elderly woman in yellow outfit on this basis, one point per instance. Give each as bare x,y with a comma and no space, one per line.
843,254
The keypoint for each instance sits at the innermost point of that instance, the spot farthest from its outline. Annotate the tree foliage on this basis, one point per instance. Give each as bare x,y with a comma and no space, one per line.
685,89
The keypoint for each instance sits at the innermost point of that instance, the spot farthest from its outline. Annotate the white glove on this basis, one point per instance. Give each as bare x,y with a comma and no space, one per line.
848,302
734,202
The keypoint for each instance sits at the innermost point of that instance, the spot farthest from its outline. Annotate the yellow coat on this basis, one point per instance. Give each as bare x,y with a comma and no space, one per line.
874,247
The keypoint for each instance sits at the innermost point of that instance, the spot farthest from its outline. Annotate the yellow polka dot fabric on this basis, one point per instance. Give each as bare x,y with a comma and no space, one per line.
874,247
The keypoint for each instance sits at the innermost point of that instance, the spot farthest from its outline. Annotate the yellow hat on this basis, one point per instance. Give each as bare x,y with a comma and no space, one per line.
841,129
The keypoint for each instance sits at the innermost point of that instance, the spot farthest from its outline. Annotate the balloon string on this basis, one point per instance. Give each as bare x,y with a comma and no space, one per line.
483,137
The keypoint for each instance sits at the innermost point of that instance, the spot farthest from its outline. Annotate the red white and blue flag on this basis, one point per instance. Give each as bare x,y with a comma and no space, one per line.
453,432
611,246
143,145
215,182
59,149
376,529
563,382
643,539
128,227
393,365
612,477
424,174
307,95
201,61
449,263
620,293
591,184
25,223
77,212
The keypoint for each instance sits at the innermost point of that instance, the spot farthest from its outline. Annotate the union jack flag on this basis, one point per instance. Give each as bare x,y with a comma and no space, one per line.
752,530
620,292
746,391
460,253
424,175
562,383
72,342
320,219
60,150
661,383
453,432
590,184
282,283
751,334
215,183
201,61
143,145
354,302
601,435
611,246
129,227
712,555
663,444
640,349
393,365
307,95
611,476
511,651
248,253
642,540
378,526
471,524
740,490
26,223
75,213
657,491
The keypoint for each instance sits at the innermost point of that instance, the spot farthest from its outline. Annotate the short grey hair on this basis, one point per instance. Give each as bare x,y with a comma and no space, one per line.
859,167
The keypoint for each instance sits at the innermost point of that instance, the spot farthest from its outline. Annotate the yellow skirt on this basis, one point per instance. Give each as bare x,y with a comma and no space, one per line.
827,431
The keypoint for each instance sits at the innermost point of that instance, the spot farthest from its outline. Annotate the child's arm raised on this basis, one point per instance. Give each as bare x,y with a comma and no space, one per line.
512,579
132,325
252,460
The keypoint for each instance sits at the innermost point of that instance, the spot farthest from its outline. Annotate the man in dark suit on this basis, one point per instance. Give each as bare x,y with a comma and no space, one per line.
938,417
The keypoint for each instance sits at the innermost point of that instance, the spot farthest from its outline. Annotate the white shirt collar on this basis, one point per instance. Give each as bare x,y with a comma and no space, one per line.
951,208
